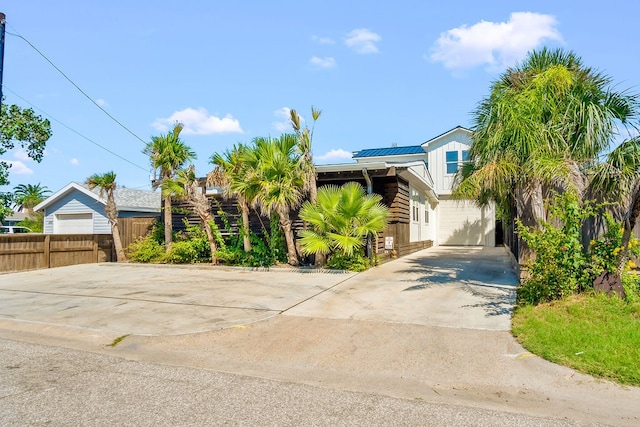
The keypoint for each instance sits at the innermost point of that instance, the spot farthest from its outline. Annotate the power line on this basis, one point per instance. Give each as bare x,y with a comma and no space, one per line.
76,132
76,86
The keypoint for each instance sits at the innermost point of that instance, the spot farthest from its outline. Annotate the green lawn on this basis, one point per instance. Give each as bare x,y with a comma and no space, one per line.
593,334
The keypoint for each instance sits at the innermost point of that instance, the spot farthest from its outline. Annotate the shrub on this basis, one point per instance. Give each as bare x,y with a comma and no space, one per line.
146,249
191,246
354,262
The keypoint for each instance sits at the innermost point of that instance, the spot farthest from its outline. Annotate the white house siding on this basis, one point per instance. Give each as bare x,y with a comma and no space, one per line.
77,203
463,223
443,182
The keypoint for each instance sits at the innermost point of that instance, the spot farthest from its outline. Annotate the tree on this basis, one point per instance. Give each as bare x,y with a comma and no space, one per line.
107,184
274,176
26,196
305,139
168,153
543,124
230,174
29,130
189,188
341,219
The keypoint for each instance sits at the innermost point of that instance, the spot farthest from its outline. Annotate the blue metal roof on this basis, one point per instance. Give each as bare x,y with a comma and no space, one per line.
390,151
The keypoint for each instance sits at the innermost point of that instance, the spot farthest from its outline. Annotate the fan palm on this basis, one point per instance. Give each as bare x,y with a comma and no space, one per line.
186,186
168,153
107,184
544,122
341,219
26,196
274,176
230,174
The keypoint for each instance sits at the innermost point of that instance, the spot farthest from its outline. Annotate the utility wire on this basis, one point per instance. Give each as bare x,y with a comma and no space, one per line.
76,86
76,132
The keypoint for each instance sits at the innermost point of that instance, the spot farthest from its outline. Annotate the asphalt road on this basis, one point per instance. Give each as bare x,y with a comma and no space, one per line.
423,340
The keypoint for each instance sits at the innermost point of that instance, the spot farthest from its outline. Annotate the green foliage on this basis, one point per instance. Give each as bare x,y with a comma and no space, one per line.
605,250
592,333
190,247
560,266
341,219
146,250
353,262
34,222
631,284
27,196
27,128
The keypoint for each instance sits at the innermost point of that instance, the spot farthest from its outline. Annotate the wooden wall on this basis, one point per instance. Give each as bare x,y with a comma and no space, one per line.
19,252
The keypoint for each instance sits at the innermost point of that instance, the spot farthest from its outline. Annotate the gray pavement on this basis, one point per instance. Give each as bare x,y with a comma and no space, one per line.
430,329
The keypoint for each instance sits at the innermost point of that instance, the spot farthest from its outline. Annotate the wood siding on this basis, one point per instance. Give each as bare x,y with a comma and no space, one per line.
19,252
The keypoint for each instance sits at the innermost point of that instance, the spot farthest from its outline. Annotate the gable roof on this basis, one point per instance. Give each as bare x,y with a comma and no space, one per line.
126,199
447,133
389,151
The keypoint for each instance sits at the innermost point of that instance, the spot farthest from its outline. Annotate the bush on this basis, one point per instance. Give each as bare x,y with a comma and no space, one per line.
190,247
355,262
146,249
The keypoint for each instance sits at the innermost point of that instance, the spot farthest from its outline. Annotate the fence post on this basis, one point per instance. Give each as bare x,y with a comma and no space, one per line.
95,248
47,251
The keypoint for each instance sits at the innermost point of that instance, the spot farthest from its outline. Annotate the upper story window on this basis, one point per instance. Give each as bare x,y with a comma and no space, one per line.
452,161
455,158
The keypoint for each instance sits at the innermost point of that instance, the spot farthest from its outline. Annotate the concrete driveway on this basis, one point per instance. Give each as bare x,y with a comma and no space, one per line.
456,287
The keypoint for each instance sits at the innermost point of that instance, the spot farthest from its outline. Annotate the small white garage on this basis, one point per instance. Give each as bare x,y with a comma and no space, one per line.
75,209
463,223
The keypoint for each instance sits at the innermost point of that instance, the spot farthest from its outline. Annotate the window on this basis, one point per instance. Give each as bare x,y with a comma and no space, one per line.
465,156
452,161
426,215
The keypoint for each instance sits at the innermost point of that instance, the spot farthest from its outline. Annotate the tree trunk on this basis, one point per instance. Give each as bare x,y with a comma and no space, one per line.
210,237
629,225
168,223
285,223
117,243
244,208
530,211
313,185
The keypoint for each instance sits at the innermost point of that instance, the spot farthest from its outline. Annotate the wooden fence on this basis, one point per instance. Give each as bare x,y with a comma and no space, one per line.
20,252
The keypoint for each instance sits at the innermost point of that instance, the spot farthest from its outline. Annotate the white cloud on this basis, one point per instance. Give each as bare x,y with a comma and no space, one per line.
334,155
18,167
323,40
74,161
495,44
101,102
326,62
363,41
199,122
284,119
20,154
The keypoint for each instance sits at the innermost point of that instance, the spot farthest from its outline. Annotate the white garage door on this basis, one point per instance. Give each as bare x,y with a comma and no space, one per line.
463,223
73,224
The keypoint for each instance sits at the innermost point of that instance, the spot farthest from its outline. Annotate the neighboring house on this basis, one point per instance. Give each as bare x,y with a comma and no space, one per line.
77,210
416,183
14,218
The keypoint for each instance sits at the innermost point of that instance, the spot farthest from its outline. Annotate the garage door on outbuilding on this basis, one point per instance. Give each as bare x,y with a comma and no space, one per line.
463,223
79,223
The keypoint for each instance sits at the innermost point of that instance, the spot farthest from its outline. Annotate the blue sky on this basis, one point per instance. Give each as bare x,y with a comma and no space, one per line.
381,72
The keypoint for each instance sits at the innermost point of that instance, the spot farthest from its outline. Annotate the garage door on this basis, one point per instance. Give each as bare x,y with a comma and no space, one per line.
463,223
73,224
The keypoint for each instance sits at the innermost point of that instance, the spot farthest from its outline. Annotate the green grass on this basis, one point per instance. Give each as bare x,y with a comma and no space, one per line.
593,334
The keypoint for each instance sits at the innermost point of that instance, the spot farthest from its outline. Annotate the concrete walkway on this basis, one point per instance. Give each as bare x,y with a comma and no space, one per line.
432,327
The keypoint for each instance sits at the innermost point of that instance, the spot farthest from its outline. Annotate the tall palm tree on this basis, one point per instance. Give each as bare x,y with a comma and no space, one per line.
341,219
617,180
274,176
186,186
230,174
107,184
544,122
305,139
26,196
168,153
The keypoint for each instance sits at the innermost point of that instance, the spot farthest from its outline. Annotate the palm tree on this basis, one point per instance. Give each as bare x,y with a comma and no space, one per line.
186,186
274,176
544,122
341,219
305,138
617,179
26,196
107,184
168,153
230,174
